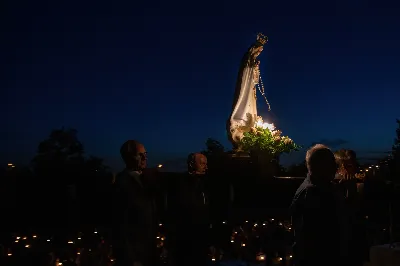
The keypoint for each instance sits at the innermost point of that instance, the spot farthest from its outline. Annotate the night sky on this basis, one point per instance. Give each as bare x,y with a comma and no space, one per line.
164,73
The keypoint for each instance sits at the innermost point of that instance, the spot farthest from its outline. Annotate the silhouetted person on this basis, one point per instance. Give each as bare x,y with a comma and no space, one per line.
189,215
354,199
135,221
318,214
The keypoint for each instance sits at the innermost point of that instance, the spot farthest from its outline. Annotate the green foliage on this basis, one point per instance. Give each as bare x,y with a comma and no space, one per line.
266,140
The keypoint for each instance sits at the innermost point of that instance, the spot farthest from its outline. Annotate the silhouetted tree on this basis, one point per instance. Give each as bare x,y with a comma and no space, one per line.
59,156
214,147
215,153
395,162
297,170
66,178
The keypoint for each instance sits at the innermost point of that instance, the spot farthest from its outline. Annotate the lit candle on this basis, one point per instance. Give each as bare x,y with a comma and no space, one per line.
260,256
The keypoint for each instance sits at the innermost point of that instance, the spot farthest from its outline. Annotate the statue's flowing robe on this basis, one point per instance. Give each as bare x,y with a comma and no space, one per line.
244,109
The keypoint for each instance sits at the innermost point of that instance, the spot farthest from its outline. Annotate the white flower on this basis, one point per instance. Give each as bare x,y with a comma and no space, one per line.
260,124
271,127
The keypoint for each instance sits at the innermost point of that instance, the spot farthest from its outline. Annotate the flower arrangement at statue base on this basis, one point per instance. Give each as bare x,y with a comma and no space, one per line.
265,143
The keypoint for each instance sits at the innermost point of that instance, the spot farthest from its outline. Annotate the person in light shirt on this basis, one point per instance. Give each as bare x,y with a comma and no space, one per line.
135,217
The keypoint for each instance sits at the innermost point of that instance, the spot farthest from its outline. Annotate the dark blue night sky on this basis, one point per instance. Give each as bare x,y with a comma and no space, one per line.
165,72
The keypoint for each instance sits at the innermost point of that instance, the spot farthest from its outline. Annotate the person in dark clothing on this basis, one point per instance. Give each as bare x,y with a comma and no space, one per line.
318,214
188,208
135,220
347,184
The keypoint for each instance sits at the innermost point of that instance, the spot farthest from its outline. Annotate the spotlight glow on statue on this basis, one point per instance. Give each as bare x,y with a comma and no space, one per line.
260,123
244,109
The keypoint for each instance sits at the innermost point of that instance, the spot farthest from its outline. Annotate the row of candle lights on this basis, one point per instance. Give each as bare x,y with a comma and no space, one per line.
260,256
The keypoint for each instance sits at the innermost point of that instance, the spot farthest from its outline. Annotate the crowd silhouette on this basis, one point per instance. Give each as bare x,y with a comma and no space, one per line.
203,216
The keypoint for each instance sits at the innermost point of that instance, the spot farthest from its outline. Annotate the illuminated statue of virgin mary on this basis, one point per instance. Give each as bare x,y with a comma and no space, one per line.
244,108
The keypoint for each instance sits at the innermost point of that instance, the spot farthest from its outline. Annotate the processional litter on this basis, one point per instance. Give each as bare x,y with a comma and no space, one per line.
244,108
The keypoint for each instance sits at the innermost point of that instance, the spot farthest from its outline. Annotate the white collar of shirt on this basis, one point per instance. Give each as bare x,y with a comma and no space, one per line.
136,175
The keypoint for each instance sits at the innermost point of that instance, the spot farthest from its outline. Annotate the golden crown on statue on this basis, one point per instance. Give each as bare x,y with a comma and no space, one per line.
262,39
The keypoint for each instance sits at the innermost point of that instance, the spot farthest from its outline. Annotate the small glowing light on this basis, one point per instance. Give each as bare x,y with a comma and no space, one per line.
290,228
13,166
18,237
370,167
70,242
60,263
160,225
243,245
232,241
16,241
280,259
366,170
262,258
377,166
272,219
247,221
263,224
27,246
280,223
48,240
213,259
160,165
111,259
79,238
224,222
9,164
162,238
34,236
290,256
78,253
95,232
9,254
24,238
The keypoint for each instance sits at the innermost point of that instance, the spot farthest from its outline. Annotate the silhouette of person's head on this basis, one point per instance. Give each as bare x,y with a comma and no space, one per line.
197,163
134,155
321,163
347,161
